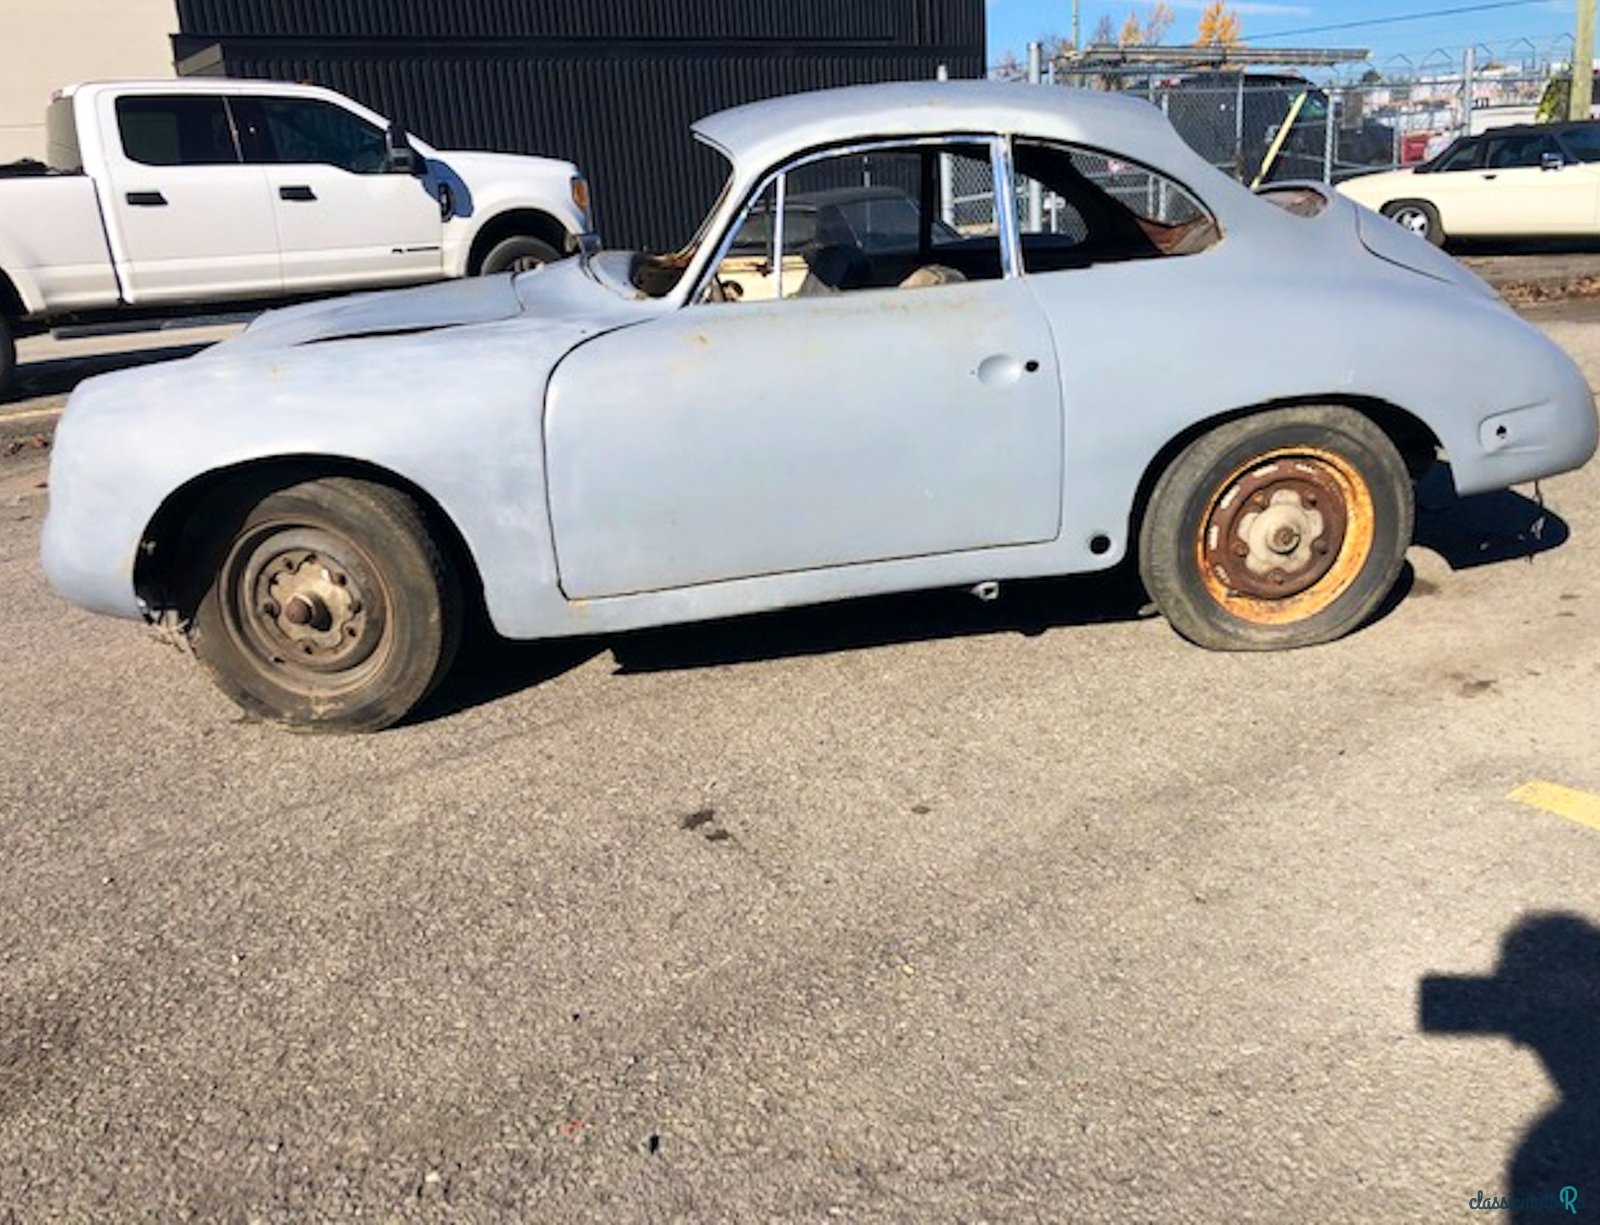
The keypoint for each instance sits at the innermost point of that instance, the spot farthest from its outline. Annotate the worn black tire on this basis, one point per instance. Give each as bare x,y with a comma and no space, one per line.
1191,499
1417,216
519,253
367,571
8,357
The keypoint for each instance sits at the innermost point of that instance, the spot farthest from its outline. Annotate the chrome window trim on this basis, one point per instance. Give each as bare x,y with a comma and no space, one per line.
696,295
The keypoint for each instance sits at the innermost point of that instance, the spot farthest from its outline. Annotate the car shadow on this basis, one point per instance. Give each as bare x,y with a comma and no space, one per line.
1484,528
1464,531
1524,246
58,376
1544,995
491,667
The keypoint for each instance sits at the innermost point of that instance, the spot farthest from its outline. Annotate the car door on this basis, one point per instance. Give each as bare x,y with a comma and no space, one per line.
734,439
344,217
725,442
1516,195
1453,186
186,219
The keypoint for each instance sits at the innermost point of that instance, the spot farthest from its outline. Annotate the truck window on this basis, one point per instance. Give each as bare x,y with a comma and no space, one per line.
175,130
304,130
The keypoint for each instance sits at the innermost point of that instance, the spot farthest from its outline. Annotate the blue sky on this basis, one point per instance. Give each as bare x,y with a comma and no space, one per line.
1013,23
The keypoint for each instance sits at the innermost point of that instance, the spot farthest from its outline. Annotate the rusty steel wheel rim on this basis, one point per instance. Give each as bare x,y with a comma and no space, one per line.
306,607
1284,536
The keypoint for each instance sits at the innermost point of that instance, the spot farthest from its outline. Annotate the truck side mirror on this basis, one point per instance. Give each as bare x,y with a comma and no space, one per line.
1552,161
403,159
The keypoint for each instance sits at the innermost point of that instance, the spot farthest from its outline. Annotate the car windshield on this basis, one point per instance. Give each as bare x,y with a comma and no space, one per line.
658,275
1583,143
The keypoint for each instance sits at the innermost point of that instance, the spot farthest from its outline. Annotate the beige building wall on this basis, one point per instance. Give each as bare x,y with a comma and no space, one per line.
45,44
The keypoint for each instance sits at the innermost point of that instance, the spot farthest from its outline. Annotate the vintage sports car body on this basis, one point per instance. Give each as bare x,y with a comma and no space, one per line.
1095,345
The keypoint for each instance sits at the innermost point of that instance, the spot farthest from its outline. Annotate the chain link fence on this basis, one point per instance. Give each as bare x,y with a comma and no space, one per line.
1263,127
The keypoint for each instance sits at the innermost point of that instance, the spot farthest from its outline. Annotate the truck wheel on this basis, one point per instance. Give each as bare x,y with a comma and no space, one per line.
519,253
1283,529
8,356
329,607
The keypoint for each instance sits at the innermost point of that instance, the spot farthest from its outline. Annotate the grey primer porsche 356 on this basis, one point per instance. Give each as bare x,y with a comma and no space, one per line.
930,335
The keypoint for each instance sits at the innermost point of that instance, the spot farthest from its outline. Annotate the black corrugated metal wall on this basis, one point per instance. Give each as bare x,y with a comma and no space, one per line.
611,84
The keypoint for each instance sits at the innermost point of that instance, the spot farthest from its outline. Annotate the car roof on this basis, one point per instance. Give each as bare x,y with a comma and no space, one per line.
761,134
1534,129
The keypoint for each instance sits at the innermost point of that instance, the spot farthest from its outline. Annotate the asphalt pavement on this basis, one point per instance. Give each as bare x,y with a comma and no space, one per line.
913,909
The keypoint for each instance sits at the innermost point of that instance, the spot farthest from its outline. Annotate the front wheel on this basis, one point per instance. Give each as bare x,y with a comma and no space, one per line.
1417,216
1283,529
519,253
329,607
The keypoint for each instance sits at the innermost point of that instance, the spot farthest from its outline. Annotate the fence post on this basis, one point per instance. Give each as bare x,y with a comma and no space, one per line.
1238,131
1469,60
1035,190
1329,134
947,186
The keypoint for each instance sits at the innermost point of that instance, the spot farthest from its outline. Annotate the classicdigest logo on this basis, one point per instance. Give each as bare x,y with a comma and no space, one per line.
1564,1200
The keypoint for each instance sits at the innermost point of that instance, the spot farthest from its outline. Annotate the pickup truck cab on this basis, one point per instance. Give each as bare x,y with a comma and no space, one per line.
160,197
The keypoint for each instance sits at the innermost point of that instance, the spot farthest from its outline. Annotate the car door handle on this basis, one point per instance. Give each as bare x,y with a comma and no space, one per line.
146,199
1487,177
296,193
1003,370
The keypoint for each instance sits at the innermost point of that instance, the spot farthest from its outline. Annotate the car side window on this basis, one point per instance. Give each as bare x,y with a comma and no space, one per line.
907,217
1519,152
309,131
1581,144
1080,207
176,130
1463,157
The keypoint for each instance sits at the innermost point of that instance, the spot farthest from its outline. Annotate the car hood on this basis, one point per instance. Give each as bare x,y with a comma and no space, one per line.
1381,187
564,293
476,161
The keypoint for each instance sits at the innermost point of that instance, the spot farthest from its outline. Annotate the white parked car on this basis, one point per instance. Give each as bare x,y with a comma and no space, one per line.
164,196
1529,181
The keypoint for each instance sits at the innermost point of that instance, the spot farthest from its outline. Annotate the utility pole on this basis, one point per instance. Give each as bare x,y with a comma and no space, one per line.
1583,62
1077,45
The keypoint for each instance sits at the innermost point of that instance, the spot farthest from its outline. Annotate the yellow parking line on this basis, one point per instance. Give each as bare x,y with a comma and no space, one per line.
1577,806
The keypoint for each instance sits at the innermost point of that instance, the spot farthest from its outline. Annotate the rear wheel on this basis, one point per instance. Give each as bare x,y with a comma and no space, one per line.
329,607
1418,216
1283,529
8,356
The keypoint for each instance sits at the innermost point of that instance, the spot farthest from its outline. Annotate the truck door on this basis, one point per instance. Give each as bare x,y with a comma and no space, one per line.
186,219
345,218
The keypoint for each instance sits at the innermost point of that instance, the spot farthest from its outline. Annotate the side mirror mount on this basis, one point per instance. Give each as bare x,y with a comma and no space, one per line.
403,159
1552,161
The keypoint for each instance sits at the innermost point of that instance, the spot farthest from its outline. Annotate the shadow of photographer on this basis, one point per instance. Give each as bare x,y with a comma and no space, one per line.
1545,995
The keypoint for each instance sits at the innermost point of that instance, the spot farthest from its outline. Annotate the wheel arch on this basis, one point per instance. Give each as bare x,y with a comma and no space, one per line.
1412,437
177,529
530,221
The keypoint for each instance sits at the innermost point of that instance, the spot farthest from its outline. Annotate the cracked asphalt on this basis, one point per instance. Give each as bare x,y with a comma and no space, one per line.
913,909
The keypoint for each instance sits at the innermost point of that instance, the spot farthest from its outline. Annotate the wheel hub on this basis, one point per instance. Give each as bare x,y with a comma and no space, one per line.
308,608
1276,530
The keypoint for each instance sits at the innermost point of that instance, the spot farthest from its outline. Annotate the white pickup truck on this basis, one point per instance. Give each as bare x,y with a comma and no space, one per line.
173,197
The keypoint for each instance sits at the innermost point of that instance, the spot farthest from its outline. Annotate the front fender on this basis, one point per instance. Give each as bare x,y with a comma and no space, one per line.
488,186
454,413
